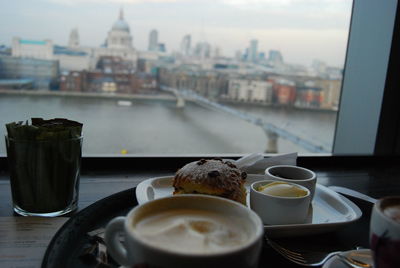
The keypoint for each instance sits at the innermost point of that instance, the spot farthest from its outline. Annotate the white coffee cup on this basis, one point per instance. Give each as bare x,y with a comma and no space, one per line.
138,249
293,174
385,232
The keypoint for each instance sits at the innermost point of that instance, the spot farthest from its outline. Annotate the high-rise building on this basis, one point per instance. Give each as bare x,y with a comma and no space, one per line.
186,45
73,40
245,55
153,40
217,52
261,56
253,51
275,57
161,47
202,50
238,55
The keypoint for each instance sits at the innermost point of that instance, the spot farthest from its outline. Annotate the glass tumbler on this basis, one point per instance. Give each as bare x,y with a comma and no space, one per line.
44,175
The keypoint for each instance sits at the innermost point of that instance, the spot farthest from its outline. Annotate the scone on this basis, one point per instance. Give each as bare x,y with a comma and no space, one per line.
213,177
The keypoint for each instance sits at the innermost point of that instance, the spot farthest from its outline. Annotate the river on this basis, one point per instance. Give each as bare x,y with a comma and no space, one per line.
158,127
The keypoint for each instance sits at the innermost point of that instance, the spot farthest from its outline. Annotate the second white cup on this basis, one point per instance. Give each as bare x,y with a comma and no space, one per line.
293,174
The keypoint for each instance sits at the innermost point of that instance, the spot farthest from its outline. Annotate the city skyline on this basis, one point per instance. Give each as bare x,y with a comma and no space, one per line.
229,25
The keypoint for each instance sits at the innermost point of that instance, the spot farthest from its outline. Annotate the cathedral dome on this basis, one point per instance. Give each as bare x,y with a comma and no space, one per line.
120,24
119,37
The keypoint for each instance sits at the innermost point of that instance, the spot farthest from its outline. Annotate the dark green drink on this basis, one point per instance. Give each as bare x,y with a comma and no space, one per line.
44,164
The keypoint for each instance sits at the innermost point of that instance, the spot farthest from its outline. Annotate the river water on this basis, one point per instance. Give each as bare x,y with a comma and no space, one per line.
158,127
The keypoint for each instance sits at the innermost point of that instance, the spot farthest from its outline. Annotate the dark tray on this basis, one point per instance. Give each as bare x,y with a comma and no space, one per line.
69,242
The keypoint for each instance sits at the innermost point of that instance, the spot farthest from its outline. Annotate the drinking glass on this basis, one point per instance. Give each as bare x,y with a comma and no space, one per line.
44,175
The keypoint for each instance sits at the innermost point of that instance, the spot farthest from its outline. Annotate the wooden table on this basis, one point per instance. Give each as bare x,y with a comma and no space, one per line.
373,176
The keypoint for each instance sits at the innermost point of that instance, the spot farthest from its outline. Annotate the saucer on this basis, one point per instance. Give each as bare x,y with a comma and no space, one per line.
363,255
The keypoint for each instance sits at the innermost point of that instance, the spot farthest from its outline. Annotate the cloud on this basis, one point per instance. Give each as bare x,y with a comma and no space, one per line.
235,3
77,2
292,4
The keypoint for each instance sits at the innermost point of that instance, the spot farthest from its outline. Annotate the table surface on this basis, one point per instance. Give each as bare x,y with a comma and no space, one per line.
374,179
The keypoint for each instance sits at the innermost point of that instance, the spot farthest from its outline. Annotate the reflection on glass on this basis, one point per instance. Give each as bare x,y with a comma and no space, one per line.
178,77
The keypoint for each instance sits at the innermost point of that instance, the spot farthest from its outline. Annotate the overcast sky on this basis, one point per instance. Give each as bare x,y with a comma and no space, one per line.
302,30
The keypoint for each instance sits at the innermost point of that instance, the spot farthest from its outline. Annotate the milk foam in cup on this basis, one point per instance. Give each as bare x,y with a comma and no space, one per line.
187,231
192,231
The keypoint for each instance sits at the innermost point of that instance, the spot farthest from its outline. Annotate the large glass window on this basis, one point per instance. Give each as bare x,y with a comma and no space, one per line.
188,76
365,76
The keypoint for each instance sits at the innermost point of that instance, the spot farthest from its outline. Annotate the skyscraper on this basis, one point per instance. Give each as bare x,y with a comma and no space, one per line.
202,50
153,40
186,45
253,53
275,57
161,47
73,38
238,55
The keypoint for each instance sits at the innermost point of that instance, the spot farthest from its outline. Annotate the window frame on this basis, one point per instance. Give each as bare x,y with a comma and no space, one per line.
367,60
388,136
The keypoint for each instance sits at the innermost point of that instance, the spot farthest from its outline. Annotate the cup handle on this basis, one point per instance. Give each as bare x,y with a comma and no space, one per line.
114,245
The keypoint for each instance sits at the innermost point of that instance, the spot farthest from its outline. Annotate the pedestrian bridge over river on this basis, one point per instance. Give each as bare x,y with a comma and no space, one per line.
273,132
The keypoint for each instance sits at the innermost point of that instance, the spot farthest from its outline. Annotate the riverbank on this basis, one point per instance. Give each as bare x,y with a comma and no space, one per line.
115,96
161,96
277,106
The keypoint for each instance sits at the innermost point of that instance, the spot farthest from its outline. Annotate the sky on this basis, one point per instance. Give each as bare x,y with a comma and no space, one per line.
303,30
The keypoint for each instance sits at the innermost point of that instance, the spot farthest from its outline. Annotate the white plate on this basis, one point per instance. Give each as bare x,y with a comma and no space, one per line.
328,211
363,255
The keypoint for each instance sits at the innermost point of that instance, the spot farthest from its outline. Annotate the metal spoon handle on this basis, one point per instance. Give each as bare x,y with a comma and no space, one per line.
353,263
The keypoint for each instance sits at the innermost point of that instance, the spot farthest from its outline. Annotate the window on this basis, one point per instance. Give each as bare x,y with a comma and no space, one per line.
365,75
189,82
